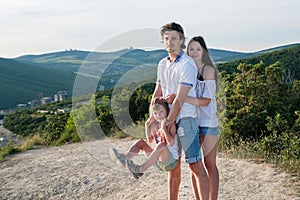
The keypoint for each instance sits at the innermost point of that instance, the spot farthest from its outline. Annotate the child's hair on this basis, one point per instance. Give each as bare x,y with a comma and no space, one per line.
160,101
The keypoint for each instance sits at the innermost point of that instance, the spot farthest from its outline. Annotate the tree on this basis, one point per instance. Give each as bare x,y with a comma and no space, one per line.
254,94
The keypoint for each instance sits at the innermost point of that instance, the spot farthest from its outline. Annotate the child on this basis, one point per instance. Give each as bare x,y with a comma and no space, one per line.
165,153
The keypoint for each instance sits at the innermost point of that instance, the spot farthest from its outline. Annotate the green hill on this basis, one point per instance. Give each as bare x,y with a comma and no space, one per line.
23,78
108,67
21,82
71,60
235,56
224,55
27,76
289,57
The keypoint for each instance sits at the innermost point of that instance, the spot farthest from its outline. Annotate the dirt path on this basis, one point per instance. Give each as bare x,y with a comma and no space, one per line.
85,171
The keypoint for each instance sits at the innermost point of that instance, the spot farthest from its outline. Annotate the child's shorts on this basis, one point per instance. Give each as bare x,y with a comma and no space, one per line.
167,165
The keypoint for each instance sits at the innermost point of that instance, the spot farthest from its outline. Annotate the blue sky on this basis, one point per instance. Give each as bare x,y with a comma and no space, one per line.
40,26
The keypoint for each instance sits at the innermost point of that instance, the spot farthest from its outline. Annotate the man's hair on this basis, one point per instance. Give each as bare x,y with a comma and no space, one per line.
173,26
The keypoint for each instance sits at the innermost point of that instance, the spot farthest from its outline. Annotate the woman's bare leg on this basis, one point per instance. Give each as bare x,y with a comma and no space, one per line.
209,147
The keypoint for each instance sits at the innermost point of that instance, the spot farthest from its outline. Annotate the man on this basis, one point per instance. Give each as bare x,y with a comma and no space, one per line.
176,74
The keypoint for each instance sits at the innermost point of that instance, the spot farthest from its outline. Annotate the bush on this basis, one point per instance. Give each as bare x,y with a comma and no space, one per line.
32,142
262,118
10,148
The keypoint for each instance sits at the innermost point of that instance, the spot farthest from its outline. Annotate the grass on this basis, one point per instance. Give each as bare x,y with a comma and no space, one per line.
253,151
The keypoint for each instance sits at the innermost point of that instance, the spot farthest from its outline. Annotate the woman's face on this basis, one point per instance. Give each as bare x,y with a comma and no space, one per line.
195,51
159,113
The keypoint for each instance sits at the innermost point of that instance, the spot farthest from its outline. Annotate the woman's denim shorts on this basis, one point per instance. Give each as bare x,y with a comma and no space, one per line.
209,131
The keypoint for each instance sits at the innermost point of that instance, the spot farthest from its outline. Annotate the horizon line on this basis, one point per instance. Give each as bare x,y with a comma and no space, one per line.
147,49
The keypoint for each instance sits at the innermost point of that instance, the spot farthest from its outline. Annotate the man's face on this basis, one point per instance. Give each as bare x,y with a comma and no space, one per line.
172,41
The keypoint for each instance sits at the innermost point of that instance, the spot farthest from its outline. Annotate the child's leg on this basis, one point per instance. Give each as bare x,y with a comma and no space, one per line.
133,150
160,152
139,145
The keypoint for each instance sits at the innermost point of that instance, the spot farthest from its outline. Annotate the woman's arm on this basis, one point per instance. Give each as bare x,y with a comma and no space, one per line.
208,74
192,100
198,101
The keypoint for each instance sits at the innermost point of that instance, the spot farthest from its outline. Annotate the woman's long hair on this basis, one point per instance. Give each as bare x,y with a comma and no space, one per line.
206,58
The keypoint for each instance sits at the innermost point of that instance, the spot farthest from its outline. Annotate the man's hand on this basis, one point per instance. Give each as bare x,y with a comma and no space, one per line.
170,98
166,124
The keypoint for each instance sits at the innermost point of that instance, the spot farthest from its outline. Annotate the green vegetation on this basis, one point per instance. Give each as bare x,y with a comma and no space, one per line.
24,78
260,119
82,123
262,115
10,148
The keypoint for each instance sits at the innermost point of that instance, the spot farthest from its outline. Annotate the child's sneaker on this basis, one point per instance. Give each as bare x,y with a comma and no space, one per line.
119,157
134,169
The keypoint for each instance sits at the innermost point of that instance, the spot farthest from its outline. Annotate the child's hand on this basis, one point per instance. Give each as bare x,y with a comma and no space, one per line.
161,134
150,120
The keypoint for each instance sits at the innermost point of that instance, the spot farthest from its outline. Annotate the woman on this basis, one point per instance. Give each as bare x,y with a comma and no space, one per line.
207,108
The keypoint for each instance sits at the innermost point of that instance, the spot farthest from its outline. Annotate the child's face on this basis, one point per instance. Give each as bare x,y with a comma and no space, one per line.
159,113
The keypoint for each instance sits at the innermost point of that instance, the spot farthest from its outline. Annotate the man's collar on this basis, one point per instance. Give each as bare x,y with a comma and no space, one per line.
178,56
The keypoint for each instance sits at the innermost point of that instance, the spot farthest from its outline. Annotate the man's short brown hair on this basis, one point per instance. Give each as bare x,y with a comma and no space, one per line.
173,26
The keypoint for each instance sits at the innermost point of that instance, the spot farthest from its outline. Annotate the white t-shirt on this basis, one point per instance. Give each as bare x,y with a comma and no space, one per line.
207,116
174,149
182,71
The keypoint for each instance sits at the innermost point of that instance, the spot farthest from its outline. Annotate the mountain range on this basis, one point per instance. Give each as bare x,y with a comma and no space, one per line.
30,77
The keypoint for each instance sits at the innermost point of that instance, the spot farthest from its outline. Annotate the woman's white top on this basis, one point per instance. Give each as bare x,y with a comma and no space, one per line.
207,115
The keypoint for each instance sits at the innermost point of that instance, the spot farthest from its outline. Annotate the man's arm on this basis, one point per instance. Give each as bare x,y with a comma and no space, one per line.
178,102
157,92
169,134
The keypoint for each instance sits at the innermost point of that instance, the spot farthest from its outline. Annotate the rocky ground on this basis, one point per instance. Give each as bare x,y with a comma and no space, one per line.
85,171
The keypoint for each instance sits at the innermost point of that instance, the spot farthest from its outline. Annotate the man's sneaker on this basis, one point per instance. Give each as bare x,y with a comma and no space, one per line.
134,169
119,157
